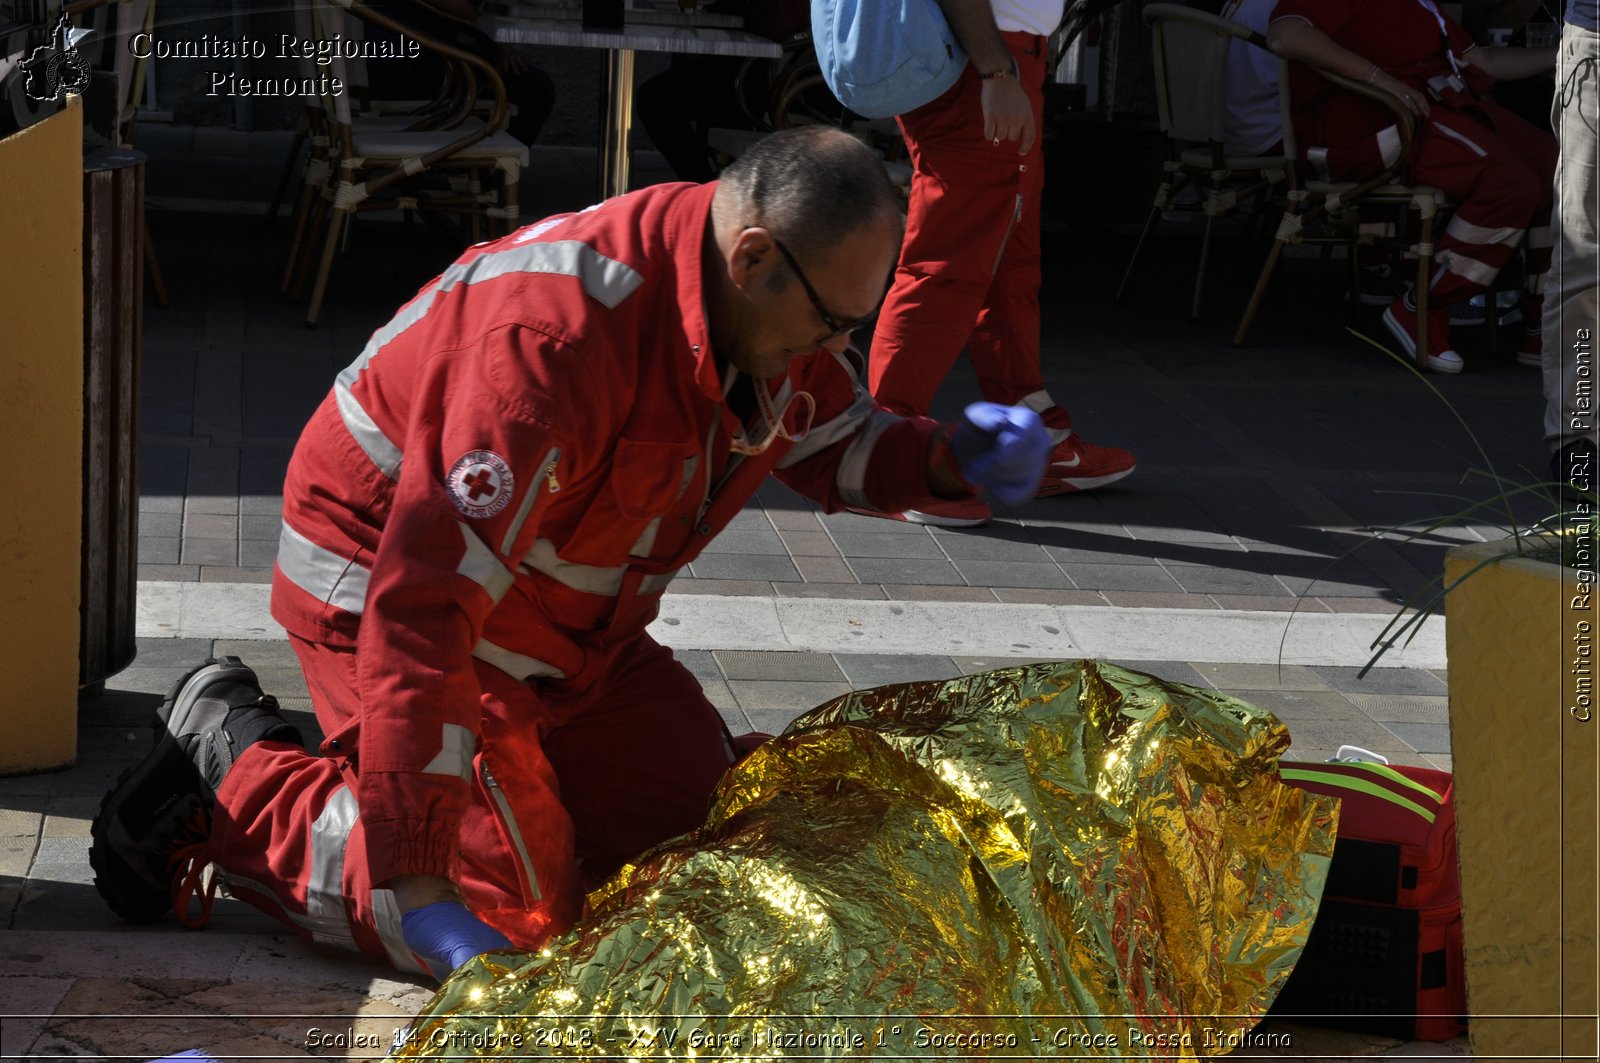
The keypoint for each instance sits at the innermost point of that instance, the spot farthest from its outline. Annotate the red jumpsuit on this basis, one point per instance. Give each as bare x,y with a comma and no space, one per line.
969,268
479,522
1496,167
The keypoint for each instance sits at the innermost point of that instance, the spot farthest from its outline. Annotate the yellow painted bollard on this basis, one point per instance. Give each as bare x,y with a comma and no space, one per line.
1521,637
41,448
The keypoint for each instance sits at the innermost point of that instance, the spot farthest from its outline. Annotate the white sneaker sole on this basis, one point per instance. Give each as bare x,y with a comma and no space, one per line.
1089,483
936,520
1446,361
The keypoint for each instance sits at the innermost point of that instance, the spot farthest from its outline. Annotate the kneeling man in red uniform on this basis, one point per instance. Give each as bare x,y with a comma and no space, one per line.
479,522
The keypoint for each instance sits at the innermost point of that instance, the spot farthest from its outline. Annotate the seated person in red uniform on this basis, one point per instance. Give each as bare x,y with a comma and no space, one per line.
479,523
1494,166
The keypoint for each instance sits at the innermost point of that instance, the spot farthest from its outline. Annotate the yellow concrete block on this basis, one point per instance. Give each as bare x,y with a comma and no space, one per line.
1523,735
41,450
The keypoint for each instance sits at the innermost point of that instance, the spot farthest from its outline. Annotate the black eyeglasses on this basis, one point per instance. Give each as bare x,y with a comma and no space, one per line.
834,325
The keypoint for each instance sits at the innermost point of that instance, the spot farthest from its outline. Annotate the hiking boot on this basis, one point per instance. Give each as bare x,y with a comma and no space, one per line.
1401,321
149,840
940,513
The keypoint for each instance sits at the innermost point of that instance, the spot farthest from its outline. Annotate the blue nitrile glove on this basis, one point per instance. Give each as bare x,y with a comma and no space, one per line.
446,935
1001,449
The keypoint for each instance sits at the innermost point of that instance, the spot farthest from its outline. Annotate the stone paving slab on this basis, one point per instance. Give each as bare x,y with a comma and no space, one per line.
1252,483
242,988
246,990
1028,626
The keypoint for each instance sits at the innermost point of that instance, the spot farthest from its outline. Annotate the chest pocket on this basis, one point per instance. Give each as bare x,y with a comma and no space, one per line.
647,482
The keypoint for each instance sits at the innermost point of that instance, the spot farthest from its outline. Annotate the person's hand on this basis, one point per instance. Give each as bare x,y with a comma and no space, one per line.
445,935
1007,114
1414,101
1001,449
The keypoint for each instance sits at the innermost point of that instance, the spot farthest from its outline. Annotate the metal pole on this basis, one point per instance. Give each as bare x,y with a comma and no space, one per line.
618,119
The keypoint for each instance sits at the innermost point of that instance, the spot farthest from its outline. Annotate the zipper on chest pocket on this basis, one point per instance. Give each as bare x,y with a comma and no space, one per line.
519,846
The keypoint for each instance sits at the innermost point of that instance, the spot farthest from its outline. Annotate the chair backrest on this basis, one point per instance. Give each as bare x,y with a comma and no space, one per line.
330,21
133,16
1191,67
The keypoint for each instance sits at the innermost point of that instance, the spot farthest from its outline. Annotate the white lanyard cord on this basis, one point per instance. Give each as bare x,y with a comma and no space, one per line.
773,420
1444,34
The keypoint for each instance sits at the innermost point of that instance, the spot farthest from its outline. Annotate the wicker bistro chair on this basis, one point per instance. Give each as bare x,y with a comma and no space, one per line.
438,169
315,134
1191,67
1329,213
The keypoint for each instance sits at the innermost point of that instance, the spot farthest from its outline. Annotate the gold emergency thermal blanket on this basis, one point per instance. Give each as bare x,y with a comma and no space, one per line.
1058,860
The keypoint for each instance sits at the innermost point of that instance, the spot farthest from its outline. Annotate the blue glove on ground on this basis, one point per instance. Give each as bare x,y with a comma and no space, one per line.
1002,449
446,935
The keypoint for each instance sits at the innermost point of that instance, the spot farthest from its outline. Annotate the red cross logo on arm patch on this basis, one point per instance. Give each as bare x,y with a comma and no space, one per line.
480,484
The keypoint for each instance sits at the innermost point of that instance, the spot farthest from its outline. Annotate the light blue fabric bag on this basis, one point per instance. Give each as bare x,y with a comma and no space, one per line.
885,57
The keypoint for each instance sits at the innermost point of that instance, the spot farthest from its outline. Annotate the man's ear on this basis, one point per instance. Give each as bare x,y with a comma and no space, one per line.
751,256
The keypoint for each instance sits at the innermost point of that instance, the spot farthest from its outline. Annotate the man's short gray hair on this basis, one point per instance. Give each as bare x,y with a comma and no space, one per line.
811,185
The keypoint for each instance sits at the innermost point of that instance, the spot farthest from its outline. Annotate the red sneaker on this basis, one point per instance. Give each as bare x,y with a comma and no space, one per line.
1078,465
940,513
1401,321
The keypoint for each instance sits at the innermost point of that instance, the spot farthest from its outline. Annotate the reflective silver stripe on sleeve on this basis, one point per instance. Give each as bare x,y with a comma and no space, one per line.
536,484
329,921
1469,233
604,279
321,573
1389,145
386,914
646,541
852,475
590,578
516,665
1462,137
823,436
365,431
1470,268
652,584
481,566
456,745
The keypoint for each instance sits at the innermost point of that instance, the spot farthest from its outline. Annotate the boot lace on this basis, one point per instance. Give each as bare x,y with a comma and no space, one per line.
189,864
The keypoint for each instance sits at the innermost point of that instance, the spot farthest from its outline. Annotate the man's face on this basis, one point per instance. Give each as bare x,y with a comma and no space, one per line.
796,302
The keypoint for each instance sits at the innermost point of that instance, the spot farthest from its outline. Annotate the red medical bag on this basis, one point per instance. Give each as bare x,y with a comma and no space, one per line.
1384,955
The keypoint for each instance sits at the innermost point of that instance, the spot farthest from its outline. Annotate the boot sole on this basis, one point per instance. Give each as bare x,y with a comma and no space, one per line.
118,881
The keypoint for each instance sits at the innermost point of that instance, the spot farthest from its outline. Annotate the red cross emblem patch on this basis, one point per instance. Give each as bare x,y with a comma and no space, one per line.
480,484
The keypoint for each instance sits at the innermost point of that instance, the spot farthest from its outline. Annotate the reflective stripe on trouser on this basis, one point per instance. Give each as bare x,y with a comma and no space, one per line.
578,786
969,268
1501,180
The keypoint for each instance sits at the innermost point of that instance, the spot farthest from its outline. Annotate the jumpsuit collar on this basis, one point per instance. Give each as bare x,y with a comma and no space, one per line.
689,219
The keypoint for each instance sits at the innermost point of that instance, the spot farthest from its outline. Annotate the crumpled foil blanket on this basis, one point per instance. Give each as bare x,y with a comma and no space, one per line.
1060,860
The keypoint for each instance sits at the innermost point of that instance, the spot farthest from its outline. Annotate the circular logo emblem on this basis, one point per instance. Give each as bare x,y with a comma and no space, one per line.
480,484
